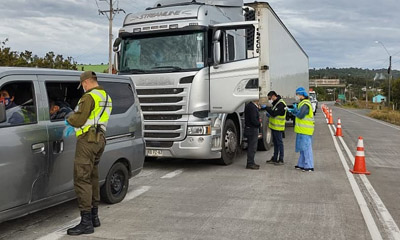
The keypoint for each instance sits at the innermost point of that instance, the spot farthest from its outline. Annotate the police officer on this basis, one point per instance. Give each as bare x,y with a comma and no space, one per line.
277,122
252,125
90,121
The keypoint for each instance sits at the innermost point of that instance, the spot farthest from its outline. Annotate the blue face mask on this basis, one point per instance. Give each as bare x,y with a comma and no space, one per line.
7,101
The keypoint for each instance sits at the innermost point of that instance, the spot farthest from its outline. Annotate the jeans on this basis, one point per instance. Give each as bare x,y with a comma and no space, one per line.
278,145
252,140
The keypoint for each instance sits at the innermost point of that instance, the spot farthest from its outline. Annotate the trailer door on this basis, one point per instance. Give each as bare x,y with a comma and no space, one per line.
234,76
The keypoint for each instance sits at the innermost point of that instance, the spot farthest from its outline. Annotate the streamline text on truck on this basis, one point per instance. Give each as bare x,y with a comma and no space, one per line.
195,64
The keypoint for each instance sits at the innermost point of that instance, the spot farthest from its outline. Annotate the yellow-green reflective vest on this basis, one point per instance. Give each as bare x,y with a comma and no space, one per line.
277,123
99,97
306,125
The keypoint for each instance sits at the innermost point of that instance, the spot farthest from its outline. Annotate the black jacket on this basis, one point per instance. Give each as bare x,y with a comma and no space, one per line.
279,110
251,116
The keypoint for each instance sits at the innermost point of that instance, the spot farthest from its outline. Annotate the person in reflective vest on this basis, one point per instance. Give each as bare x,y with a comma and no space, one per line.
277,120
304,129
89,122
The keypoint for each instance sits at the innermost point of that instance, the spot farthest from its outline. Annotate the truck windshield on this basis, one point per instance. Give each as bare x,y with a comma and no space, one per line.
163,53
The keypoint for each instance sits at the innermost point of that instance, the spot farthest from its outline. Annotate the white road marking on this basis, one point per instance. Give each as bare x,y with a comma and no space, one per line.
136,193
373,119
369,220
384,216
173,174
61,232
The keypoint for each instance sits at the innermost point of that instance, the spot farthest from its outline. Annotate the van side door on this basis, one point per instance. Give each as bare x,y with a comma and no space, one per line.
62,91
23,144
234,76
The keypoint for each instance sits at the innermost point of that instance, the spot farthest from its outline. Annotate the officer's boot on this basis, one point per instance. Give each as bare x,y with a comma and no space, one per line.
95,217
84,227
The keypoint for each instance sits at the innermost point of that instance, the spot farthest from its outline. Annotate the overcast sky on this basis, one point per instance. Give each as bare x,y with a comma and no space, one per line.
334,33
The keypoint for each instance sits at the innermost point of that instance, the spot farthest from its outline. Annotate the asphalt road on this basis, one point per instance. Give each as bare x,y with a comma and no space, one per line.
183,199
382,152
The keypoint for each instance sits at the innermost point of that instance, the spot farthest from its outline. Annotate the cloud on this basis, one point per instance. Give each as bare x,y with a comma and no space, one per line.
337,33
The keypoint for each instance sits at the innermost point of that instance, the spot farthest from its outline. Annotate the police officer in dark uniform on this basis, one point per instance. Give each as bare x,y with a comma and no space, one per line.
252,125
89,120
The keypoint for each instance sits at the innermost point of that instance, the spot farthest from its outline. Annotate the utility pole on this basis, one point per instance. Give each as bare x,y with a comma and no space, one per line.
110,15
390,76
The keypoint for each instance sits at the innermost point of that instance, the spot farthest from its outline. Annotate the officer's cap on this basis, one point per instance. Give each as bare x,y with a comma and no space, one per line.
85,75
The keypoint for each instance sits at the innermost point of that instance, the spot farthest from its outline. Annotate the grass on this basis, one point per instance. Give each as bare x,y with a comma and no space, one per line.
95,68
386,115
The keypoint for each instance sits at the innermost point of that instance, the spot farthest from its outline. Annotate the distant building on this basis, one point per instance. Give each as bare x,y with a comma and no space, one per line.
379,98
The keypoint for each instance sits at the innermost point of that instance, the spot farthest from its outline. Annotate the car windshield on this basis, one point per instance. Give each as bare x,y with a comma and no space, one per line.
163,53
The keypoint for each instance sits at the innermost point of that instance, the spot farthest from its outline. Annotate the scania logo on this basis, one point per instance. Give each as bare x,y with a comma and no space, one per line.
162,14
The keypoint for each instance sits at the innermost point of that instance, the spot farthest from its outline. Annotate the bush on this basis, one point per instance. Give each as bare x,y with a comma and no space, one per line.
386,115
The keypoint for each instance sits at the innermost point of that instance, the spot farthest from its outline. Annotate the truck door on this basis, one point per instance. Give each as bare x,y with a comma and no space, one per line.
234,76
23,143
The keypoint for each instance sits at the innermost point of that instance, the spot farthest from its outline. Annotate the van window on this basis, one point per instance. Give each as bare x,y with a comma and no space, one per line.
20,103
121,95
62,97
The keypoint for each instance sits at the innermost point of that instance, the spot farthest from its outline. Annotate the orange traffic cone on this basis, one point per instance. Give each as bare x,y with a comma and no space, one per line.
359,164
330,118
326,112
339,129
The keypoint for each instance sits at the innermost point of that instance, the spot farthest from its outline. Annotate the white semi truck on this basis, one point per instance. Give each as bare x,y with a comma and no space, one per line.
196,62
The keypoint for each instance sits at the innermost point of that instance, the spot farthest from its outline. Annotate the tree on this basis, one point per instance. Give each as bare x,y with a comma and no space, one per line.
27,59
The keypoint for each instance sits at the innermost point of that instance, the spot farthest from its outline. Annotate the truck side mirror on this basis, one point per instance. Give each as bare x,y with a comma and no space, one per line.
116,44
3,116
217,47
116,61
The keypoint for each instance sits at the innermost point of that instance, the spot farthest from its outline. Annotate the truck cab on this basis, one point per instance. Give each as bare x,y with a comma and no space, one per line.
195,64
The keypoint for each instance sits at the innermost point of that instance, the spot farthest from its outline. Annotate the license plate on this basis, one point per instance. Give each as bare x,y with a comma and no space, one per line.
154,153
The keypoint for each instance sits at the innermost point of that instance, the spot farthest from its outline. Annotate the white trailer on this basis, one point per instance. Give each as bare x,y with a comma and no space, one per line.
195,64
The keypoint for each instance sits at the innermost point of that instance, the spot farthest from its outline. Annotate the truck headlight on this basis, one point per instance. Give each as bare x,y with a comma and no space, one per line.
199,130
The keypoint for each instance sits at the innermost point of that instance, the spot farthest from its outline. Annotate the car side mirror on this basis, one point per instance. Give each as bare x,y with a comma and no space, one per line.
3,116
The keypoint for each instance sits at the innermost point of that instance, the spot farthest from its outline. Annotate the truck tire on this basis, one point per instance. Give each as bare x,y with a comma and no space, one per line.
265,143
229,142
116,185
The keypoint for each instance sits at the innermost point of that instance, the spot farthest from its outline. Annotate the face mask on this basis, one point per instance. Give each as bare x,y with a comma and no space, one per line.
297,98
270,101
7,101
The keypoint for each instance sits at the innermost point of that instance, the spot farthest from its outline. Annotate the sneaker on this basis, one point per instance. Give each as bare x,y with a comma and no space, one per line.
308,170
298,168
253,166
271,161
280,162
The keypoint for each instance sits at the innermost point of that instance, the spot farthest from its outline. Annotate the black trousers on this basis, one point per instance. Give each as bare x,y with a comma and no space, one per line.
252,140
278,145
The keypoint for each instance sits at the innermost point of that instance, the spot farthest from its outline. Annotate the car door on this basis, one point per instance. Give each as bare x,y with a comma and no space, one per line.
23,146
61,148
234,77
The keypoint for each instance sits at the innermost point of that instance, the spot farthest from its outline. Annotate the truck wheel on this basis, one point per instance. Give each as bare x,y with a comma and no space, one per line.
116,185
229,142
265,143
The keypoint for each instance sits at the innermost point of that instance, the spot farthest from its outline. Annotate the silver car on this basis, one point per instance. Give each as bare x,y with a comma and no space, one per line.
36,160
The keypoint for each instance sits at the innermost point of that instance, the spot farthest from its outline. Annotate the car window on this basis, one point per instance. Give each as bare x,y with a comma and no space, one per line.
19,101
62,99
121,95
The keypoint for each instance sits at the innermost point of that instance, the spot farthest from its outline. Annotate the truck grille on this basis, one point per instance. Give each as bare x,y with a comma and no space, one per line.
161,108
162,127
159,91
158,100
161,135
162,117
157,144
164,112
